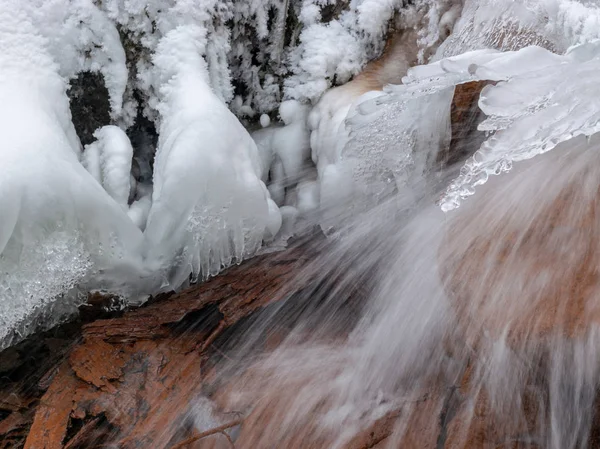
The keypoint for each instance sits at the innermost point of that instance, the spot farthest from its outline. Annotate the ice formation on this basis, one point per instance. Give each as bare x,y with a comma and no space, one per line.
109,161
511,25
533,105
349,173
59,228
209,206
285,151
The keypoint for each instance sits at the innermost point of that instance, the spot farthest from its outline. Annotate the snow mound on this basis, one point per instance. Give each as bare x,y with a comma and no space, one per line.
209,206
109,161
59,228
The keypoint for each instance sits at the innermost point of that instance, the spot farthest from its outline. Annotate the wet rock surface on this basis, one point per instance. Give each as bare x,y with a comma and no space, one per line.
129,381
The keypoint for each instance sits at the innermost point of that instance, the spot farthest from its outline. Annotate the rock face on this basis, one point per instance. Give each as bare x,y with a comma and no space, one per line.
465,117
131,380
531,270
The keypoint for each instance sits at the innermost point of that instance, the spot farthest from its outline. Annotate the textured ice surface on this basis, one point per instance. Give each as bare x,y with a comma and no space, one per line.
534,105
59,228
209,206
41,288
532,112
109,161
384,158
514,24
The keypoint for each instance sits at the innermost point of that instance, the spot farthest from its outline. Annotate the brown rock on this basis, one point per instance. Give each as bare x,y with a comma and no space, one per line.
52,416
97,363
132,379
522,256
465,116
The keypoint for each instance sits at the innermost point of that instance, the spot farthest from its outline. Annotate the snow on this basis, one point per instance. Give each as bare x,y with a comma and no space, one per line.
139,210
265,120
209,206
60,231
81,38
109,161
316,63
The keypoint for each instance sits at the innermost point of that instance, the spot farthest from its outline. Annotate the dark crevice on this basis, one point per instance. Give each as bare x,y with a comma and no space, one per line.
271,18
333,10
90,105
144,140
89,433
36,354
4,414
203,320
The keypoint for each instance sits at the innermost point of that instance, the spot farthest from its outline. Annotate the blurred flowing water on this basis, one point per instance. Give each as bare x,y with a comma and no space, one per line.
476,327
493,305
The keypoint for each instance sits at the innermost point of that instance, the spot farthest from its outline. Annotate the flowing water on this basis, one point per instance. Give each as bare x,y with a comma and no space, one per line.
476,328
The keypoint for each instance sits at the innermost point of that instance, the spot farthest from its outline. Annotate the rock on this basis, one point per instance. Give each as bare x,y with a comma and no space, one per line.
130,382
90,105
521,257
52,416
464,119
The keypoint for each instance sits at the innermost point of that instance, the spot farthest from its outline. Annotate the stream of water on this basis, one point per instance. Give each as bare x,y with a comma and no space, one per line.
478,328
